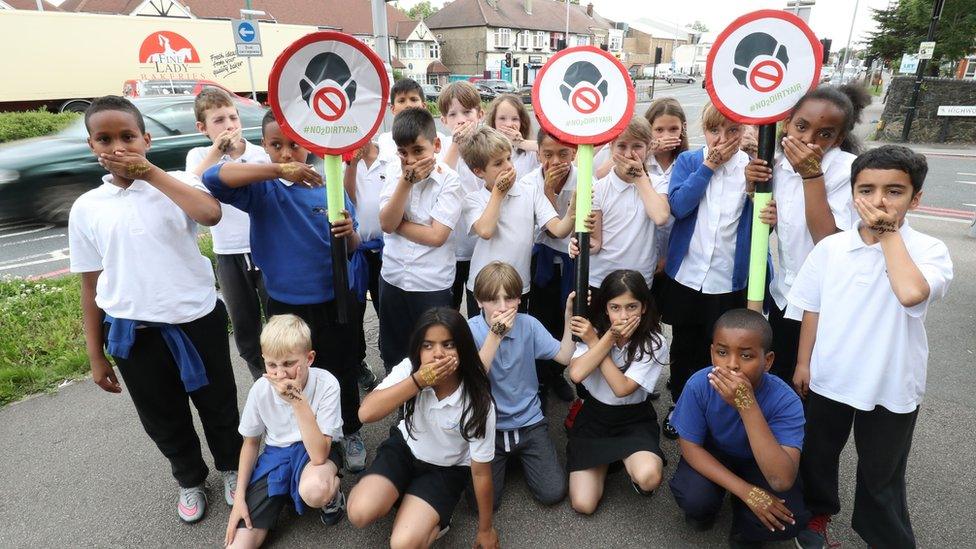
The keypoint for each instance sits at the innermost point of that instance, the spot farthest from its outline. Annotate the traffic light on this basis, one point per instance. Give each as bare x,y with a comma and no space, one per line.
560,44
826,49
508,59
657,55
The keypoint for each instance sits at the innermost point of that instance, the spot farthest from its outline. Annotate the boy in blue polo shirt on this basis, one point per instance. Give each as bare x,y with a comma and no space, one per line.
290,244
510,343
741,431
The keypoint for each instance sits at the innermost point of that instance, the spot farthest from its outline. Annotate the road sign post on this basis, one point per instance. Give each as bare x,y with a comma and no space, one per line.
583,95
247,41
758,68
329,92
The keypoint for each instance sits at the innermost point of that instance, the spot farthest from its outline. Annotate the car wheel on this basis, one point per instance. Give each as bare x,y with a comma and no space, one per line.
53,203
75,105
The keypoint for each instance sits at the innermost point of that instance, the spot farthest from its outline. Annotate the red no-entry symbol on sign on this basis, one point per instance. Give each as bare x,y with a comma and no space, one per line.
586,100
329,103
766,76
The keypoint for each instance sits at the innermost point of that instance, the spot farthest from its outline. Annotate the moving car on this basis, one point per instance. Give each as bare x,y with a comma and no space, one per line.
679,77
41,177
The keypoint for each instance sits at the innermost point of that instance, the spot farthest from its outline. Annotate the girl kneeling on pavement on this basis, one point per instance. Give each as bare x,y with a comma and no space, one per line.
446,436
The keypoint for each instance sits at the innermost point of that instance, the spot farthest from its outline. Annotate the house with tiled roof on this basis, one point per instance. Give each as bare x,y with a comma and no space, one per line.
476,35
27,5
414,49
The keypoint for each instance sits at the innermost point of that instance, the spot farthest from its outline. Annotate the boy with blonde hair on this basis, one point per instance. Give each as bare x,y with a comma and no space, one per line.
295,409
509,237
241,282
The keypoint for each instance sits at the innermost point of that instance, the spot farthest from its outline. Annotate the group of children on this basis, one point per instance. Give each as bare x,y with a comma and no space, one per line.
483,217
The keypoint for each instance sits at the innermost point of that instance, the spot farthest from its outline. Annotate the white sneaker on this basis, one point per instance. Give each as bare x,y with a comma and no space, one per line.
230,486
354,452
192,504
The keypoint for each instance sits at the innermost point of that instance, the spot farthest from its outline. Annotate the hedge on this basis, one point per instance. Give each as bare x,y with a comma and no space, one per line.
23,125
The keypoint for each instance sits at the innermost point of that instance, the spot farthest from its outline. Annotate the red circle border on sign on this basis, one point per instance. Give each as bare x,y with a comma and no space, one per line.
598,139
734,26
297,45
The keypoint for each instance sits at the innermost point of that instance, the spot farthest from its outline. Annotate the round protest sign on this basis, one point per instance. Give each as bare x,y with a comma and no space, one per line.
329,92
583,95
761,65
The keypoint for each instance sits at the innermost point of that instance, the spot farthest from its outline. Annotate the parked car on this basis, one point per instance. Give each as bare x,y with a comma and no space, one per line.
151,88
485,91
499,86
42,177
431,91
526,93
679,77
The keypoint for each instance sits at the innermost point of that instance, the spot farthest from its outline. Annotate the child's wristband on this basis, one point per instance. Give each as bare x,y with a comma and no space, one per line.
415,382
814,176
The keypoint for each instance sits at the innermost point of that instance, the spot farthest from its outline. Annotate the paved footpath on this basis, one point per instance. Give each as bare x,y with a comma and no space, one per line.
78,471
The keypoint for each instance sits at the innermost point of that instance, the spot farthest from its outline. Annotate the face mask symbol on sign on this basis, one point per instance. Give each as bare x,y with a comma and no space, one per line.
327,86
760,62
583,87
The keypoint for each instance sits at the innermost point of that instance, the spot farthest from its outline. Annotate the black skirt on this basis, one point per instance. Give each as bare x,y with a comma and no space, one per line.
604,435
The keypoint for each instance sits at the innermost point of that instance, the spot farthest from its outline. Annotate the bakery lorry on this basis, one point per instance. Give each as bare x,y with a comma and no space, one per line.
60,61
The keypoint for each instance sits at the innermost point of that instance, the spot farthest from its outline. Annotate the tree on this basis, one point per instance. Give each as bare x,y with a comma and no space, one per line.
903,25
421,10
698,26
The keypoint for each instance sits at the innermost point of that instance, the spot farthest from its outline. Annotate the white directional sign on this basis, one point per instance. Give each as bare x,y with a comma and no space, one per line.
329,92
247,37
761,65
925,50
583,95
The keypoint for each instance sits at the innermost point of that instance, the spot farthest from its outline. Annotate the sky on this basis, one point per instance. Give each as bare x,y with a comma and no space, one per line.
829,18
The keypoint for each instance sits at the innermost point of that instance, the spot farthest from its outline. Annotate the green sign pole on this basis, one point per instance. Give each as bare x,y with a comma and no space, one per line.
759,249
336,203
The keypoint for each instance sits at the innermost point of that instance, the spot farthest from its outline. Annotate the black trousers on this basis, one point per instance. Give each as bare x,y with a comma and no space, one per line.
337,349
242,289
399,312
548,307
786,343
374,262
883,440
701,499
692,315
462,270
153,381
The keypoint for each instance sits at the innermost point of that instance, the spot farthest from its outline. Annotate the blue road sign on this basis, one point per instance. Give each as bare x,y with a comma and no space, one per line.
246,31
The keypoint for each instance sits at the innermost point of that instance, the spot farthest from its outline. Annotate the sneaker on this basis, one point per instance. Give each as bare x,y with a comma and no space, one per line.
367,379
354,452
655,395
192,504
230,486
333,511
443,532
666,427
562,389
814,536
640,491
574,409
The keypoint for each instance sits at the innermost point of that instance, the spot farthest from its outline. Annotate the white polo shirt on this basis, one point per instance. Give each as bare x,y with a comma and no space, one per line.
870,349
524,162
436,425
524,209
267,413
792,233
146,248
233,234
628,233
710,261
536,179
370,181
415,267
644,370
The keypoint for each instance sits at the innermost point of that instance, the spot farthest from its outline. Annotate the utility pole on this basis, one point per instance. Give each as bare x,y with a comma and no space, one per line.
847,50
920,73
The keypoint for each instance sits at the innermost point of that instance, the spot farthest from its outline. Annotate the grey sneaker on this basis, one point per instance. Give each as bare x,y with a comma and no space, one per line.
192,504
367,379
230,486
354,452
333,511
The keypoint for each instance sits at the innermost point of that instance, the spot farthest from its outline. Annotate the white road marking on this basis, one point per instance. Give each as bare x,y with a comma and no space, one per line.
29,263
4,245
964,173
967,182
55,255
937,218
42,228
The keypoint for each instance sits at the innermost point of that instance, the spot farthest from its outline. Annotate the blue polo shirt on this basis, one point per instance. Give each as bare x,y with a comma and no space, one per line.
514,383
702,417
289,235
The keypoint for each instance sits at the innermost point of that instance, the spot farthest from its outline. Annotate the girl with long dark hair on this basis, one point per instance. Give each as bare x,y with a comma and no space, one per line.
618,363
447,433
